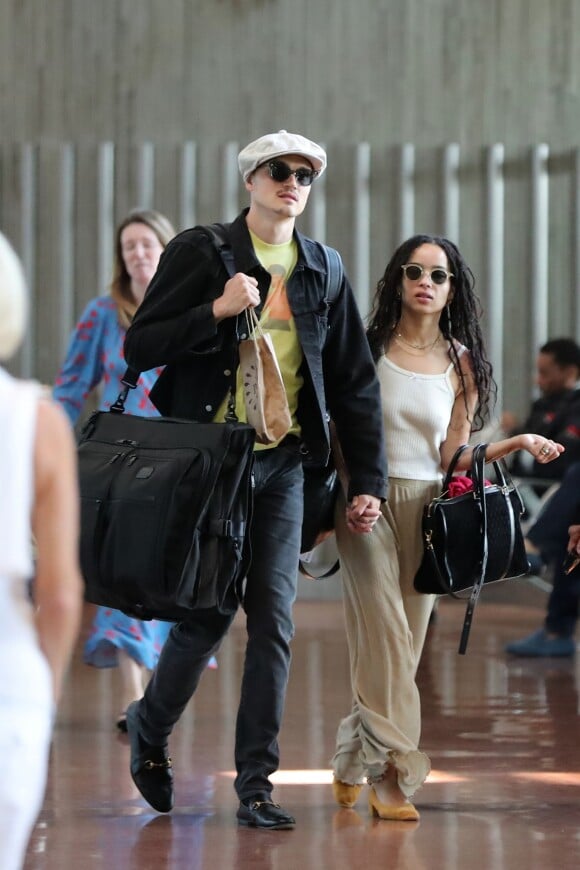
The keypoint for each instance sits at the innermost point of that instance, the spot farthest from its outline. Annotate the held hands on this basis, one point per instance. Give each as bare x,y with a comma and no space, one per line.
240,292
572,559
574,541
362,513
542,449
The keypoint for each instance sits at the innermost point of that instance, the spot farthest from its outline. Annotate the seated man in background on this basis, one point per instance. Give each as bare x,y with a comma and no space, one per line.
556,413
550,538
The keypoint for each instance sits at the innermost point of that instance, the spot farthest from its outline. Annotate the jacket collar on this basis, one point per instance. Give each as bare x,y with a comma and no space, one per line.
309,253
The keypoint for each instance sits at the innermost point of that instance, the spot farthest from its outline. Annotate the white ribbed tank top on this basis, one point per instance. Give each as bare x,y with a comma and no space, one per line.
18,413
416,414
24,672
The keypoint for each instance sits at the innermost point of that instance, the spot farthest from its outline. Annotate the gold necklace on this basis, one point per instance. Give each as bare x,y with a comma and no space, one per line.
429,346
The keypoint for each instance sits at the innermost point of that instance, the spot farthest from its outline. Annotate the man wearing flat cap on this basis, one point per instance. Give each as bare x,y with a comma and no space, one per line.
188,323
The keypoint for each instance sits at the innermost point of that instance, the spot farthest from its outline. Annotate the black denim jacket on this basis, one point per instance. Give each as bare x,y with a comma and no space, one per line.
175,327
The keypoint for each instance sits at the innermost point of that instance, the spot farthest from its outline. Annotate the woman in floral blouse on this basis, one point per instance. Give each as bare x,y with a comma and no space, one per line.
95,359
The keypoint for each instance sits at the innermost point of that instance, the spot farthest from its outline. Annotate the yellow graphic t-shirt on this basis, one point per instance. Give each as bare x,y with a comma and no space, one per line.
276,319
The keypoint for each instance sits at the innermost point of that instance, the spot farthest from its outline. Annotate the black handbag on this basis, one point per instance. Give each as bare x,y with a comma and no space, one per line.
473,538
321,486
165,506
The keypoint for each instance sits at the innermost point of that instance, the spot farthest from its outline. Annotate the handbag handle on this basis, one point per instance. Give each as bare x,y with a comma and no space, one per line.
507,486
452,465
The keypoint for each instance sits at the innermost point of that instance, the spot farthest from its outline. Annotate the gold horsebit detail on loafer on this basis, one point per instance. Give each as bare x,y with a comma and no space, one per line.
149,765
255,805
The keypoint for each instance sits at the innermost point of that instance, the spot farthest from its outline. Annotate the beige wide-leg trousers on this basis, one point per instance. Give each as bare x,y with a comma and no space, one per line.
386,624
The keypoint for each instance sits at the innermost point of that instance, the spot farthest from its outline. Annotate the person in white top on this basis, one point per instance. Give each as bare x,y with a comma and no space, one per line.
436,387
39,622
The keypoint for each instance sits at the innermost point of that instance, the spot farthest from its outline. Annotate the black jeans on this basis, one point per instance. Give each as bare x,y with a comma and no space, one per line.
270,592
550,535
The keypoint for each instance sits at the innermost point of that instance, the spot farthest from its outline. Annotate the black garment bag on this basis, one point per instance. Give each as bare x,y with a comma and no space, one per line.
165,508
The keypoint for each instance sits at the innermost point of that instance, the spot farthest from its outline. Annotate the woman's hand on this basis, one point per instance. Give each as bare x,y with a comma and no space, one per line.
543,450
362,513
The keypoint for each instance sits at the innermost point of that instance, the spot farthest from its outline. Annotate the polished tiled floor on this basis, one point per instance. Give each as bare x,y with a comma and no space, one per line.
503,736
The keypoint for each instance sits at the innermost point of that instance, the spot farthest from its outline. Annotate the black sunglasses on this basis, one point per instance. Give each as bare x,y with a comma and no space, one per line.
438,275
280,171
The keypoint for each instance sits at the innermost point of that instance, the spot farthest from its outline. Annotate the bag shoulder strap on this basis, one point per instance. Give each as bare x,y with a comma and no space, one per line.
334,273
478,476
218,235
332,284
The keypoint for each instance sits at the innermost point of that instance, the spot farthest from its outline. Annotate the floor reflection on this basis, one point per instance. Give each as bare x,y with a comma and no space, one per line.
502,735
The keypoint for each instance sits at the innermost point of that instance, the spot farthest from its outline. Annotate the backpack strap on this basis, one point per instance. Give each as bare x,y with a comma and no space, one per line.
332,285
218,236
334,273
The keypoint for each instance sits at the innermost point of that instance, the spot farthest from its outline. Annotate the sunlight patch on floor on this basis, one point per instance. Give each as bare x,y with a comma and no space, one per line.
560,777
324,777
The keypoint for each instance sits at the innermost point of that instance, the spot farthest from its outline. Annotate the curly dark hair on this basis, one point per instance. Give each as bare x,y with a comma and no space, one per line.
459,320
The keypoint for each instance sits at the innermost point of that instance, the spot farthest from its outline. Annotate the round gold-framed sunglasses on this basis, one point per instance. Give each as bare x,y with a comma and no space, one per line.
413,271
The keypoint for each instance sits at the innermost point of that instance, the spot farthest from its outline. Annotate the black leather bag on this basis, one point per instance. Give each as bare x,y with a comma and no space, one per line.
321,486
472,539
165,505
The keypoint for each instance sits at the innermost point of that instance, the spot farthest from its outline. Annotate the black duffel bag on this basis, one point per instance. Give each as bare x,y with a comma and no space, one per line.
165,506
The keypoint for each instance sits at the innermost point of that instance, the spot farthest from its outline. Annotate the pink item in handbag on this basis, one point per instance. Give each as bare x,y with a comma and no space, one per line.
461,484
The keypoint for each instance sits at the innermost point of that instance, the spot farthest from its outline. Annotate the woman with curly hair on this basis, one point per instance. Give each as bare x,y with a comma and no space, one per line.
436,388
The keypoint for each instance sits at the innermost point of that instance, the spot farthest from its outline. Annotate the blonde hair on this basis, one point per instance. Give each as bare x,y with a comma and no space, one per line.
13,300
121,283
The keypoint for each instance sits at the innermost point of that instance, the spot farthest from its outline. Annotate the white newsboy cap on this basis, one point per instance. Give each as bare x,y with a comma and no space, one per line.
274,145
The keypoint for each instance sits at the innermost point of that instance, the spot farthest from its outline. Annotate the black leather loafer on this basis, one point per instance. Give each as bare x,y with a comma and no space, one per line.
150,766
264,814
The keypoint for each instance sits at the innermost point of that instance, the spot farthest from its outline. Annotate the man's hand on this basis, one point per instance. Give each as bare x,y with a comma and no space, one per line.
362,513
240,292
